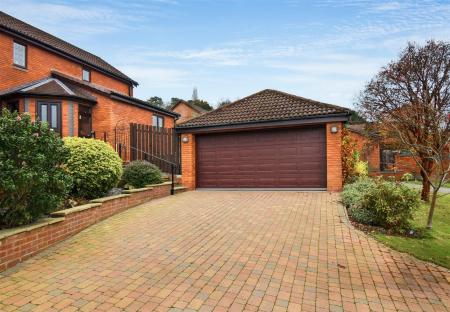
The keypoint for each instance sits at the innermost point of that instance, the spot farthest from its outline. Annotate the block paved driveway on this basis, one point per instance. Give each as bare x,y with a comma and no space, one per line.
225,251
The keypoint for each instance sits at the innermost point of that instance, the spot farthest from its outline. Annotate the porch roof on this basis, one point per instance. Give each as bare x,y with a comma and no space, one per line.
50,87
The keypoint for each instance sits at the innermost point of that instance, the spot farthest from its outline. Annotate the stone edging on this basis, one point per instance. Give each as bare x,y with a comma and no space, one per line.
20,243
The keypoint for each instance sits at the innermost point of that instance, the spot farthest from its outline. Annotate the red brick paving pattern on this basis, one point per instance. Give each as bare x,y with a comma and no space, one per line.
225,251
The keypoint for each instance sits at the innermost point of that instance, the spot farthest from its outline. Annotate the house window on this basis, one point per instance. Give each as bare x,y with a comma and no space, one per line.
51,114
20,55
86,74
387,160
158,121
12,106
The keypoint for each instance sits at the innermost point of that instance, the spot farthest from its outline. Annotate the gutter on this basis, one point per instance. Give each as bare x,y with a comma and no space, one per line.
142,104
312,120
65,54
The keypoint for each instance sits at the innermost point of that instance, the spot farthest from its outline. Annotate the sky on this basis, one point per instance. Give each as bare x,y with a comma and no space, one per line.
326,50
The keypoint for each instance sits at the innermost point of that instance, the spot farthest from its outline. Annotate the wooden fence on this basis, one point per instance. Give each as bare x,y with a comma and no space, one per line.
160,146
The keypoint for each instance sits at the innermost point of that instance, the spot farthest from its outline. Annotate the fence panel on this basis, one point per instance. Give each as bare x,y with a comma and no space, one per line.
145,142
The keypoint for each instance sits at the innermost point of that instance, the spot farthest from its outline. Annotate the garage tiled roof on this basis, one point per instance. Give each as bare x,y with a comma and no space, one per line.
21,28
265,106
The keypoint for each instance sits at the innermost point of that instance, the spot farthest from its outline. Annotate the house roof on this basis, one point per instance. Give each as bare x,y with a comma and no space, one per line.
115,95
50,42
51,87
265,106
197,108
363,129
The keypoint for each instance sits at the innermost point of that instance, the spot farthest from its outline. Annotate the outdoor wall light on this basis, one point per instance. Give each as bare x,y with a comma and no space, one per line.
185,139
334,129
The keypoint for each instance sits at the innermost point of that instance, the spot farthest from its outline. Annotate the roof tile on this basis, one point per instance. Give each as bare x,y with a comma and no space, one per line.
17,26
264,106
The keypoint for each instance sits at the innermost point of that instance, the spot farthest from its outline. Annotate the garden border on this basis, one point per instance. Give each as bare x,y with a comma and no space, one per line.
20,243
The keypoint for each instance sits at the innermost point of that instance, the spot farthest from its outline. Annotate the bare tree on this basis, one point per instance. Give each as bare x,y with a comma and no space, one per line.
409,100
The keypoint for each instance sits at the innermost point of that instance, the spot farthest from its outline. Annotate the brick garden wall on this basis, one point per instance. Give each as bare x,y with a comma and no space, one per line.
18,244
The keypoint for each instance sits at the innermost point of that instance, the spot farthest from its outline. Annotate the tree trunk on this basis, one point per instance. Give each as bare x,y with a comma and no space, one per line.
425,172
431,212
425,195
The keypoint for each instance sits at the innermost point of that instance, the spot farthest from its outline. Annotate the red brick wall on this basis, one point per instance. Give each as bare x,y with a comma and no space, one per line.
334,158
40,63
369,150
106,113
188,161
21,246
185,111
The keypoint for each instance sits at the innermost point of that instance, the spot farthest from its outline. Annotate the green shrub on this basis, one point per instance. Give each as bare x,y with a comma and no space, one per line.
352,193
362,215
94,166
361,168
407,177
392,204
140,173
382,203
33,180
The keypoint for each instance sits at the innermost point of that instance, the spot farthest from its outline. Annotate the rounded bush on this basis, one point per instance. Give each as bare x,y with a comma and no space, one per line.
33,179
353,193
392,204
387,204
140,173
94,165
362,215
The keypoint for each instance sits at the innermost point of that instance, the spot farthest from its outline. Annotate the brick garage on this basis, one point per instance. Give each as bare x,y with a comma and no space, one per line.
270,139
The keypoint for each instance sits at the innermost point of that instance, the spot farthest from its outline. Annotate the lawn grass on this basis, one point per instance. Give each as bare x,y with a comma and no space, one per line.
435,246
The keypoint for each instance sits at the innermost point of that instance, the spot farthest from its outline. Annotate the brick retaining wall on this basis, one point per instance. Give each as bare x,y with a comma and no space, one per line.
18,244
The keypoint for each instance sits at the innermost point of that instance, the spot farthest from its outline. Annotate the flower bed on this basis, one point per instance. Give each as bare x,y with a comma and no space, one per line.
18,244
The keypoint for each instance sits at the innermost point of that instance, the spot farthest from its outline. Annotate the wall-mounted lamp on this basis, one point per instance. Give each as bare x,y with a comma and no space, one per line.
185,139
334,129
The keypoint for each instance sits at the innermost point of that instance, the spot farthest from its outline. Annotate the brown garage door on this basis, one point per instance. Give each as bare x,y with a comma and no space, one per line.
281,158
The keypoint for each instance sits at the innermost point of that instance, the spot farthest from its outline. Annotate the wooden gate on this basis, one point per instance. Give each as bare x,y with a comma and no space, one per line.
160,146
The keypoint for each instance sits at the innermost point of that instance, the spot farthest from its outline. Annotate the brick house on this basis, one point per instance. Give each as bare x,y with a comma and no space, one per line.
76,92
270,139
187,110
383,158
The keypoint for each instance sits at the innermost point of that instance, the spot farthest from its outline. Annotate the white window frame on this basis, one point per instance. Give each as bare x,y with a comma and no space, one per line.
158,121
16,56
85,70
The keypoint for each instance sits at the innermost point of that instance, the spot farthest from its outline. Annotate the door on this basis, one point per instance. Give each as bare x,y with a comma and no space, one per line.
84,121
277,158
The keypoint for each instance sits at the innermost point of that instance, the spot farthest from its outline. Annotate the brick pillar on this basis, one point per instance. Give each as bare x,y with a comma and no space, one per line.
334,158
188,161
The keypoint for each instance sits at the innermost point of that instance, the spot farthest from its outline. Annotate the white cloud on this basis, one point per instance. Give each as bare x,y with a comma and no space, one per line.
84,18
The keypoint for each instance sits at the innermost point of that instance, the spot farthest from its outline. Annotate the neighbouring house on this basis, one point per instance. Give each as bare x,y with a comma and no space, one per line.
383,158
187,110
76,92
270,139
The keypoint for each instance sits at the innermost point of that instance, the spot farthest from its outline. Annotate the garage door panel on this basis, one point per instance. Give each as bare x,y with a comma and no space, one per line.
269,158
